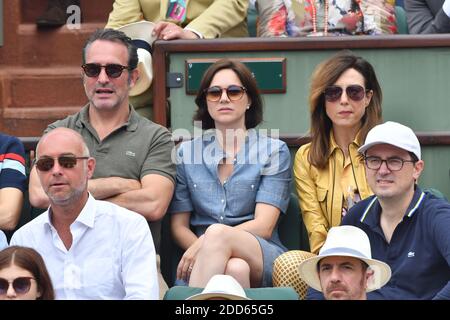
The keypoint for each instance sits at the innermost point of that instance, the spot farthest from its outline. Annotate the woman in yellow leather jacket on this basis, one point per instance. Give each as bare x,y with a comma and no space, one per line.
345,103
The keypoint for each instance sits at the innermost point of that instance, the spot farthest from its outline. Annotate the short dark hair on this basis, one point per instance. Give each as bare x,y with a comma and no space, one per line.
253,116
413,156
114,36
30,260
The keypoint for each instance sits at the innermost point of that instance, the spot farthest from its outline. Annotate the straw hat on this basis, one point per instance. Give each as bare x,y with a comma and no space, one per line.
221,286
141,34
285,271
347,241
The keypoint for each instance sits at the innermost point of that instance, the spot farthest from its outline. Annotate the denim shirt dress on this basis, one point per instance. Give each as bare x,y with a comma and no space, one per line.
261,174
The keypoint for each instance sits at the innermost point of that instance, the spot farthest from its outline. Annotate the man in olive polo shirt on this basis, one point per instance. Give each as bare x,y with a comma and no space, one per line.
133,154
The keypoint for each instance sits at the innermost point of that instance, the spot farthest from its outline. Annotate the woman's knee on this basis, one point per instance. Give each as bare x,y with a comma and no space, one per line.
217,231
240,270
237,266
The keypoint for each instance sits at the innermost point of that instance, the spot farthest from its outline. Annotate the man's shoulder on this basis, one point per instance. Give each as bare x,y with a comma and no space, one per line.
121,214
148,125
68,122
10,144
127,223
358,210
7,138
25,233
434,203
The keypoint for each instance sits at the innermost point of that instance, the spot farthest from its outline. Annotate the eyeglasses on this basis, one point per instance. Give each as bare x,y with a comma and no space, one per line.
20,285
393,164
233,93
354,92
67,162
112,70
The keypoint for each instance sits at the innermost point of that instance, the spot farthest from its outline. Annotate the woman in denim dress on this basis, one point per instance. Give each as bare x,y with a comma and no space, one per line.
232,184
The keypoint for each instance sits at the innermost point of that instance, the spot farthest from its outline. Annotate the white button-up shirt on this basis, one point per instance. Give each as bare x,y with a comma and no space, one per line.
3,241
112,254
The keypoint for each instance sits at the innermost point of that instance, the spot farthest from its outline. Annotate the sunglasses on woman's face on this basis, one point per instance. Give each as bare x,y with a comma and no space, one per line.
94,69
21,285
67,162
355,92
233,93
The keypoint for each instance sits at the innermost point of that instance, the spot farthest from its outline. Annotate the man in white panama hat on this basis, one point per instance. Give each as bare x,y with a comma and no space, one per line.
407,227
344,269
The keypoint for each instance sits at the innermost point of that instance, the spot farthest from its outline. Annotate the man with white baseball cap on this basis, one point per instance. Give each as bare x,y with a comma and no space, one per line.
344,269
407,227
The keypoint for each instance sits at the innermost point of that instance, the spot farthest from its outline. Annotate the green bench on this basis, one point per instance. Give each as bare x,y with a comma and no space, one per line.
278,293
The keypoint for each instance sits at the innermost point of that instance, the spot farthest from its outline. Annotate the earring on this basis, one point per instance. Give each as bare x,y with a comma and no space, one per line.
248,106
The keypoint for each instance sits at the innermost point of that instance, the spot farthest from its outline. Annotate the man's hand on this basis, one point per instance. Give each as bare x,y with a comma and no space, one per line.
170,31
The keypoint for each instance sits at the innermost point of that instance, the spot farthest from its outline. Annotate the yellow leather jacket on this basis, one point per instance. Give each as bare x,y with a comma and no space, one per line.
319,190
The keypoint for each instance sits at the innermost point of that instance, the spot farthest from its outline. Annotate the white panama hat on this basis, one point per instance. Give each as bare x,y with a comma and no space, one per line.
221,286
141,34
347,241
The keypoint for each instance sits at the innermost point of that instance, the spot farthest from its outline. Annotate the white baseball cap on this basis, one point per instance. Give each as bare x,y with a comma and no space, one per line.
395,134
346,241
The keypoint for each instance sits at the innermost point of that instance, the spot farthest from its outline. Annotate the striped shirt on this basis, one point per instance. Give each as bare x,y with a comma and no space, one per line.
12,163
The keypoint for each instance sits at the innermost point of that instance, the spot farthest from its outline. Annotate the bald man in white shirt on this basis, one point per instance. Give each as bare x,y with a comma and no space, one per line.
93,249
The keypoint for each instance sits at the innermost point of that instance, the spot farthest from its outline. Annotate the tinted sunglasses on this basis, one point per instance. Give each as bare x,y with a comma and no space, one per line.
233,93
112,70
354,92
20,285
67,162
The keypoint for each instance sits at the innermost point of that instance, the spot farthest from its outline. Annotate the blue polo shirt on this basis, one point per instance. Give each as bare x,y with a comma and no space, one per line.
419,251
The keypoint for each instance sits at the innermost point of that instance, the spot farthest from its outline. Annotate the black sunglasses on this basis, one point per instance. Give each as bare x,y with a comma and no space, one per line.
112,70
354,92
20,285
233,93
67,162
